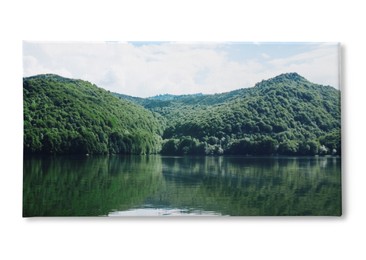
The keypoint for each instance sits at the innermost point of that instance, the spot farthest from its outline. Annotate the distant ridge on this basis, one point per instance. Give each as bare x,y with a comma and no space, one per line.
286,114
288,76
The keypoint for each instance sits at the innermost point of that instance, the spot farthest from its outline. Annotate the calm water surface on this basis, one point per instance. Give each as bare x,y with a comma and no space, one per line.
175,186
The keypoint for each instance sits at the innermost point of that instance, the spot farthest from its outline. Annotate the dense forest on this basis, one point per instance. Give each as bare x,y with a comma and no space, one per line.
285,115
64,116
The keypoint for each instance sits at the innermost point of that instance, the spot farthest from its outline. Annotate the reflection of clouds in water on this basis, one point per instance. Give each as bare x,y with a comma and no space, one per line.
181,186
324,163
156,212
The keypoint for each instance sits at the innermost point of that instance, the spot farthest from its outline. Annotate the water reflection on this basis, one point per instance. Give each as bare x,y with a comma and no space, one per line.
87,186
155,185
253,186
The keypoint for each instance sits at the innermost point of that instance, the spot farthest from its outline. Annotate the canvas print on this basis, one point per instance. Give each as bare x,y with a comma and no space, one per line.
181,129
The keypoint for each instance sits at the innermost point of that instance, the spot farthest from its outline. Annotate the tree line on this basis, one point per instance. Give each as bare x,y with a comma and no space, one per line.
64,116
285,115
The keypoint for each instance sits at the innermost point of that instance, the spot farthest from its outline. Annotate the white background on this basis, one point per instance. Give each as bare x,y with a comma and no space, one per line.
234,238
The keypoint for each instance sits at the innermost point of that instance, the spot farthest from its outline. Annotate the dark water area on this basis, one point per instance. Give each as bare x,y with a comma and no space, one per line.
181,186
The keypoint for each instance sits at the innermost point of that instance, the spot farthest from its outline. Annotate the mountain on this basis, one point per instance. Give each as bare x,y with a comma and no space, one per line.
65,116
286,115
169,97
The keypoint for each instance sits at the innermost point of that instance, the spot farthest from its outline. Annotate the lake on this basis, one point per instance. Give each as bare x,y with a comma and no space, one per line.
181,186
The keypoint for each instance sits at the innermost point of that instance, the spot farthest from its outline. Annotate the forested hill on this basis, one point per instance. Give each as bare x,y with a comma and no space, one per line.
284,115
73,116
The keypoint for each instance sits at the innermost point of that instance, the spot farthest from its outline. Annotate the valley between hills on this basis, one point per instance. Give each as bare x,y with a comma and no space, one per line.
284,115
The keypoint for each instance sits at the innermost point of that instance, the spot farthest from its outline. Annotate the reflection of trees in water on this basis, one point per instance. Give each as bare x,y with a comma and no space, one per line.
253,186
87,186
90,186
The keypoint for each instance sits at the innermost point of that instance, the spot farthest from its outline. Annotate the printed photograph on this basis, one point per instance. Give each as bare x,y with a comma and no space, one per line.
133,129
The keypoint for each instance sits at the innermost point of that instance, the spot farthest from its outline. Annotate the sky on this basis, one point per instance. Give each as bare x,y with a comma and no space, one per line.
145,69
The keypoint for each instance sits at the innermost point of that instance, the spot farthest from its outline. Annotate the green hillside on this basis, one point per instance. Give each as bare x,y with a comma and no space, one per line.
284,115
73,116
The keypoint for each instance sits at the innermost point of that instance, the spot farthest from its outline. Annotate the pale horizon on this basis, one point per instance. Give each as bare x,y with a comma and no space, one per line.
146,69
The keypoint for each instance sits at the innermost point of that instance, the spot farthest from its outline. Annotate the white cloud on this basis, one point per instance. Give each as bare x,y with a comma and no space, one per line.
320,65
176,68
265,55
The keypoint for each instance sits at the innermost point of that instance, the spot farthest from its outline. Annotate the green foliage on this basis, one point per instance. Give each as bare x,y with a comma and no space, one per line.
63,116
284,115
332,141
